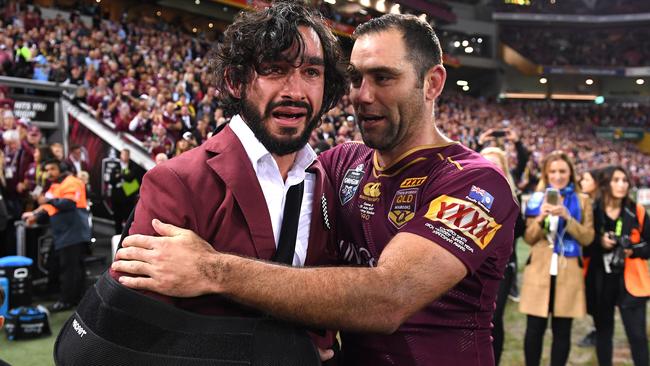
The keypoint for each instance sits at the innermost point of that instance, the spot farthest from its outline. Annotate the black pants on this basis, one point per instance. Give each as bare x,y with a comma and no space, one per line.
71,269
634,322
122,207
534,338
502,298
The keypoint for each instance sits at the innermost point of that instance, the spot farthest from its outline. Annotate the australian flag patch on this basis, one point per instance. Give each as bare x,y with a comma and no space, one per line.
481,197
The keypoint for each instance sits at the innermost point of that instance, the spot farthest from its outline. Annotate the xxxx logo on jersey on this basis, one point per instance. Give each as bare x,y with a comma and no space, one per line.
465,217
412,182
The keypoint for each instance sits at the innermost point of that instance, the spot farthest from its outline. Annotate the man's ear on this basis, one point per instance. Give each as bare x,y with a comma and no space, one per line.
234,88
434,82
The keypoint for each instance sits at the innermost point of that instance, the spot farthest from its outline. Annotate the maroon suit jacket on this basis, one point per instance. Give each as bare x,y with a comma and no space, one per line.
213,191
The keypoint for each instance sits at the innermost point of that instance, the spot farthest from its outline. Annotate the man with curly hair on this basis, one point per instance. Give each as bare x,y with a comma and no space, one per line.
280,69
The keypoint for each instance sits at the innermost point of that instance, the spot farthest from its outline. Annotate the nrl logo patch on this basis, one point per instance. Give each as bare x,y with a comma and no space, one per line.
350,184
403,207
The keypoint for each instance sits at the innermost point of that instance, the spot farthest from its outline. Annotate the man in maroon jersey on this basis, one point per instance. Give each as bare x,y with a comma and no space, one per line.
430,222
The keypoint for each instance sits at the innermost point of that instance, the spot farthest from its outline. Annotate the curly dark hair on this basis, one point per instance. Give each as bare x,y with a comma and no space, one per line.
262,36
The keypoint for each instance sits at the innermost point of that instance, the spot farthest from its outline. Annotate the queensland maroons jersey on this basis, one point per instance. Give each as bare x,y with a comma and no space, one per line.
452,196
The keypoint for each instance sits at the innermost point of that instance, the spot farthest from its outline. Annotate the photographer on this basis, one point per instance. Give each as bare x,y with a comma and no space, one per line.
559,221
618,272
497,138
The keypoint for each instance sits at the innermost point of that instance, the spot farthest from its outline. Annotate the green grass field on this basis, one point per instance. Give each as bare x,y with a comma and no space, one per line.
39,352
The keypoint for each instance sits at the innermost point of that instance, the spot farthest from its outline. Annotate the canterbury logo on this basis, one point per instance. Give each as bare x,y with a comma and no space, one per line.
465,217
372,189
412,182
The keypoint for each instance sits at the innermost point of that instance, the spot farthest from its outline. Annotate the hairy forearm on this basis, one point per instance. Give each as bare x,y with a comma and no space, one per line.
376,299
362,299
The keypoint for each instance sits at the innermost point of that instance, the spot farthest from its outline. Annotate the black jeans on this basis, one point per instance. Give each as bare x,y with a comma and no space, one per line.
72,272
534,338
634,322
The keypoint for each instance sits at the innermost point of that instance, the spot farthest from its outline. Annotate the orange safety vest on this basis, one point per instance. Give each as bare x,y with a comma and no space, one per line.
71,188
636,274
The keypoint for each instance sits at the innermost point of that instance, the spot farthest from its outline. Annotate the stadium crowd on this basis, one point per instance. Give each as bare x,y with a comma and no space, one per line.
598,7
153,82
621,46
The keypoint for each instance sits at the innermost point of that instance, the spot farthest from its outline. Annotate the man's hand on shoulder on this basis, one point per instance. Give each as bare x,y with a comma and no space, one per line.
177,263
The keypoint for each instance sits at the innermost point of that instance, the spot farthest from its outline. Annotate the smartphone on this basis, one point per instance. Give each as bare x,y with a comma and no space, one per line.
552,196
498,133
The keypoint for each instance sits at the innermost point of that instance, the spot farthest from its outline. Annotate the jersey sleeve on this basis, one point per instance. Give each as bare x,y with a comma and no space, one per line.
472,215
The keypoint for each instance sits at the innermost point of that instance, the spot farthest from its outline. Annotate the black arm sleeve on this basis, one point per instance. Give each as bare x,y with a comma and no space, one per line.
63,204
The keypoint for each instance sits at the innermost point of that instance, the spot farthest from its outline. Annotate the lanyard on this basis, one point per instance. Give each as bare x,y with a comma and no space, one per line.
619,227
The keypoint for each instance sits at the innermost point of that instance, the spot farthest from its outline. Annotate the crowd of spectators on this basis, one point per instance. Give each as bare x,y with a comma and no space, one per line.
597,7
543,127
622,46
152,82
137,77
24,182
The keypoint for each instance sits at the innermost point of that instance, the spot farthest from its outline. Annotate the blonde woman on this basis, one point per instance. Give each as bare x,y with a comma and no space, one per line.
559,221
498,157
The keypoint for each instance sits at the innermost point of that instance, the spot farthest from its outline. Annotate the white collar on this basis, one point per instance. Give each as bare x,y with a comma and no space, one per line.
257,153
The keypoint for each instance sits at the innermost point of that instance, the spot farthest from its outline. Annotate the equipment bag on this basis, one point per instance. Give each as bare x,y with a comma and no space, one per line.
27,322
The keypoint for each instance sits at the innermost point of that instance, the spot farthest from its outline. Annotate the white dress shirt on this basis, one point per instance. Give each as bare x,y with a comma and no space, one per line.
275,188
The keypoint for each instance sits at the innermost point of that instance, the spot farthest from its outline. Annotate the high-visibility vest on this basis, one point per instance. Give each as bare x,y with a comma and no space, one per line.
71,188
636,274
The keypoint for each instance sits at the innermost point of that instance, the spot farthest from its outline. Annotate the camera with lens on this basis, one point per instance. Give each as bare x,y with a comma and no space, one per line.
617,262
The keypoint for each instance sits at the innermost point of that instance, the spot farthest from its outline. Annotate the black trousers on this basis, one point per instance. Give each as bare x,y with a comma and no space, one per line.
634,322
534,337
498,333
72,272
122,207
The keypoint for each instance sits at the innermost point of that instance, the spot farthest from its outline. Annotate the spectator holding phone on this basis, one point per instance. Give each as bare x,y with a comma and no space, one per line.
618,272
498,138
559,221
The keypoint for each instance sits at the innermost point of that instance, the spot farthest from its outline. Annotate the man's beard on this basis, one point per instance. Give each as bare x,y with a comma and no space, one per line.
385,141
275,145
395,132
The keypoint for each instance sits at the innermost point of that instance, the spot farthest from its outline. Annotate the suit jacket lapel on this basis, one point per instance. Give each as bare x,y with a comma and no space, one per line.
232,165
321,218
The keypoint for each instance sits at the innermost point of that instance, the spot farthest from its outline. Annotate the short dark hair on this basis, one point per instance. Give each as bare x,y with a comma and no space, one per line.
259,36
420,39
52,161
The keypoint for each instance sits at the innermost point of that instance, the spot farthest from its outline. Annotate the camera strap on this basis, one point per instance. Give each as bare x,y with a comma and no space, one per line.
289,231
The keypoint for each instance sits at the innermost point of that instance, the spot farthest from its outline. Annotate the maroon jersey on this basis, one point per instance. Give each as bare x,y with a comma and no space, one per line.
451,196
